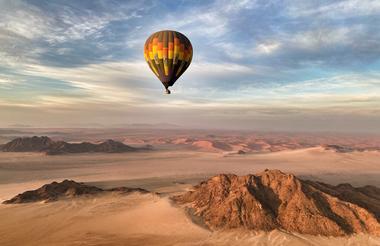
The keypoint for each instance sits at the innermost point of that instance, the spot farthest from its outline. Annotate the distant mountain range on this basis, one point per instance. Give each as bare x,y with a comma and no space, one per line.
276,200
50,147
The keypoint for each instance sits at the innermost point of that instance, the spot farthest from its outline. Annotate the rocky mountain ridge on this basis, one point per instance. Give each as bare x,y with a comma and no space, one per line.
65,189
50,147
275,200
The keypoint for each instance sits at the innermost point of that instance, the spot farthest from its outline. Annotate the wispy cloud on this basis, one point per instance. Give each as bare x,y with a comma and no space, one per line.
254,62
334,9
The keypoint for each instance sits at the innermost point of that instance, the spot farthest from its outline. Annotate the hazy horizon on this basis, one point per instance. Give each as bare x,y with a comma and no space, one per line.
257,65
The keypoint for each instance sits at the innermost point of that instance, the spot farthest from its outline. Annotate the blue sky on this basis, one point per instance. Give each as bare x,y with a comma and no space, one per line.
267,65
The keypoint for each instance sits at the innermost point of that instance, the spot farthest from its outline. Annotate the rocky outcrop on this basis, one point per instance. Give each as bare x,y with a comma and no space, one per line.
275,200
109,146
347,149
28,144
339,148
50,147
65,189
367,197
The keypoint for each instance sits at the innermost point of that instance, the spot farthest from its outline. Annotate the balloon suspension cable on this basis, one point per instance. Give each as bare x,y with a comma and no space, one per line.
167,91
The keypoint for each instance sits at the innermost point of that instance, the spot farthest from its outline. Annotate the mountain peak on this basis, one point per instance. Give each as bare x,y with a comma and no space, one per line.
275,200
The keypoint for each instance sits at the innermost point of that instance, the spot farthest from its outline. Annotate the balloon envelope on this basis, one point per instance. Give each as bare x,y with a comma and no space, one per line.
168,54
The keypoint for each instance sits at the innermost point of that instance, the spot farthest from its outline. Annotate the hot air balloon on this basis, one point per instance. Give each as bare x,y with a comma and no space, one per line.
168,54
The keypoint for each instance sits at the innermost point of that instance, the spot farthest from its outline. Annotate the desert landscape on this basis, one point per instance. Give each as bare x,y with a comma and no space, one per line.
189,123
146,186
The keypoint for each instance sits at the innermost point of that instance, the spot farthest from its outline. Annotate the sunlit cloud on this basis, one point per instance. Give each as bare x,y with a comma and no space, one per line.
256,63
267,48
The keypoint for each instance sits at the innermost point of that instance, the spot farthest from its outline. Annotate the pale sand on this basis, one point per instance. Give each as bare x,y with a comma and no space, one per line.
153,170
107,219
131,220
147,219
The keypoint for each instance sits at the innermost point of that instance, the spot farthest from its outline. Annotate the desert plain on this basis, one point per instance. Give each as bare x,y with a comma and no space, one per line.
178,160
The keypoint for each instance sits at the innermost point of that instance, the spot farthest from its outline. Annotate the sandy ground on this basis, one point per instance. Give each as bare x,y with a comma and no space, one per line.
150,219
107,219
160,169
131,220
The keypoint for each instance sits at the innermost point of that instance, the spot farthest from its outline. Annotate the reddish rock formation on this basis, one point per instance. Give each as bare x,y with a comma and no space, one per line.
275,200
65,189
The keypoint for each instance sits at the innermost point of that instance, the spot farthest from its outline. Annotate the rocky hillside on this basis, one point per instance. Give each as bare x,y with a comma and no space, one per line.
28,144
64,189
109,146
45,144
275,200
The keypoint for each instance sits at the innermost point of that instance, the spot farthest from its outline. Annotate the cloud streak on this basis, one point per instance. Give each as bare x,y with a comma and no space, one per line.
256,63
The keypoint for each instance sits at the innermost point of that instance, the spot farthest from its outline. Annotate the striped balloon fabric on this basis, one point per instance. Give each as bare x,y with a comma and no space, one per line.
168,54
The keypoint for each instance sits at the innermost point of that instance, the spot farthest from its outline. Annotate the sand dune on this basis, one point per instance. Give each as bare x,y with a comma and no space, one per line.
211,146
